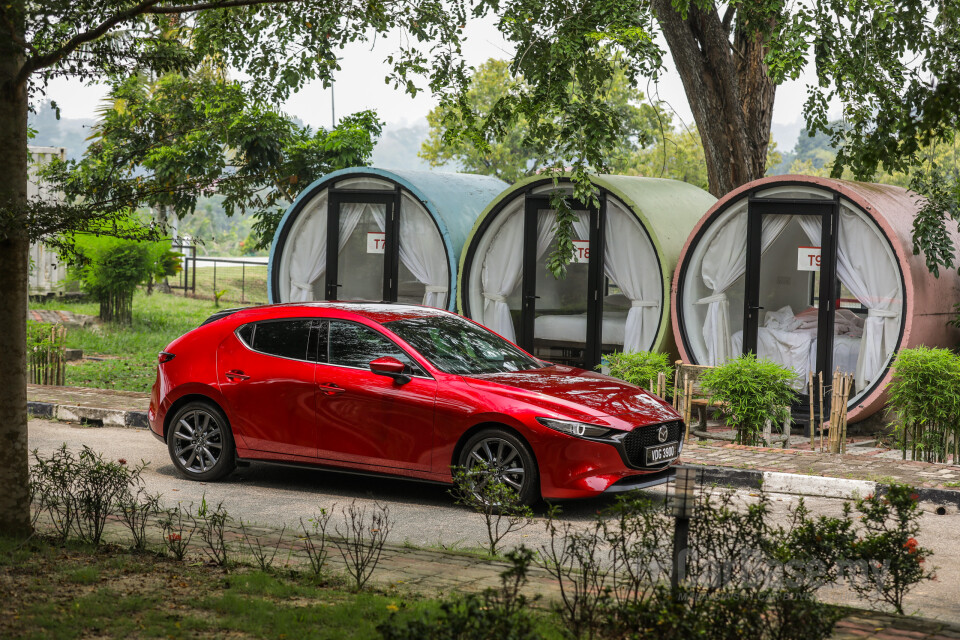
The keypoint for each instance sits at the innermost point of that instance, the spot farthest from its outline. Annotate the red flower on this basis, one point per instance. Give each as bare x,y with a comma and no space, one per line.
173,537
122,461
915,496
910,545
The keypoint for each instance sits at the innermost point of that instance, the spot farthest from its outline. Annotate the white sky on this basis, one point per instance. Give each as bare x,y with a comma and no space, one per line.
360,85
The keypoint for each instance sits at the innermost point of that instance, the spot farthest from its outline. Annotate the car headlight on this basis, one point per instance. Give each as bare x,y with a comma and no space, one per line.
572,428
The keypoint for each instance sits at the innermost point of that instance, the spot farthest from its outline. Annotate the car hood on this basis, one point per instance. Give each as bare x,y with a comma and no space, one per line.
579,393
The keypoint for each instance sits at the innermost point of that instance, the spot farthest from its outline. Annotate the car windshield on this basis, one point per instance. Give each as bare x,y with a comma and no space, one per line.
455,345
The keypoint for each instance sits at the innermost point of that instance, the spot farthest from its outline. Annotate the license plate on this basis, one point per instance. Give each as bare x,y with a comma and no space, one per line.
662,452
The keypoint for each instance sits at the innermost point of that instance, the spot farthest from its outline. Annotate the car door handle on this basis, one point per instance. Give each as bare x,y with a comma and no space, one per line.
236,374
329,389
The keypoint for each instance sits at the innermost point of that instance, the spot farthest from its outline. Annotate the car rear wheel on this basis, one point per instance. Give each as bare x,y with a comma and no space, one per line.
496,455
200,442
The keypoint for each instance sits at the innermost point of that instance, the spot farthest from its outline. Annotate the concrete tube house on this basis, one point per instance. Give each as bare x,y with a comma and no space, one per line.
614,297
815,274
377,235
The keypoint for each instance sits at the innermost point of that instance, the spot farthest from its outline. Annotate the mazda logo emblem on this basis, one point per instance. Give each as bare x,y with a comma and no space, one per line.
662,434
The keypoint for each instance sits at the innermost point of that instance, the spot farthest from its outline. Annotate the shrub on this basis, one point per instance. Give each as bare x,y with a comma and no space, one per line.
887,547
360,543
640,367
178,525
750,392
495,613
924,397
479,489
81,492
111,269
212,525
315,540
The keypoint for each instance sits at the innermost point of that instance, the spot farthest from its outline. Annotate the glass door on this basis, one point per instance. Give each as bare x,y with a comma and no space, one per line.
791,286
559,317
362,255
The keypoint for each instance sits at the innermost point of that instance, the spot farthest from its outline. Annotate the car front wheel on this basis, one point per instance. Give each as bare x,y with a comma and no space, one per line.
200,442
499,456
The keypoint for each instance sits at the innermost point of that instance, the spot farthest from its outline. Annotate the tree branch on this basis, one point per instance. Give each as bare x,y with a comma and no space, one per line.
36,63
215,4
146,7
728,17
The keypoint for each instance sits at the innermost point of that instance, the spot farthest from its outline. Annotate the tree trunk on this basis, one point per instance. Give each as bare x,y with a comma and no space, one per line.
14,251
730,94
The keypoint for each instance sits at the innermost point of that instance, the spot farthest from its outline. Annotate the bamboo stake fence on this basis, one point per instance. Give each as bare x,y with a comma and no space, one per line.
45,358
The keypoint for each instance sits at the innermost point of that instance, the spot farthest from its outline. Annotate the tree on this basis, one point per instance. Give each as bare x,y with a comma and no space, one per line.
515,152
893,66
177,138
278,44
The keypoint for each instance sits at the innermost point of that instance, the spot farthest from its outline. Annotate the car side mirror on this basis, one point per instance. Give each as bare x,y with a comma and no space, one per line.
390,367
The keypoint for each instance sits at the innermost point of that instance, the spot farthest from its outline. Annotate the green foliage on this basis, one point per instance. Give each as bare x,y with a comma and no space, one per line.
640,367
515,151
45,347
892,558
924,398
495,613
129,352
110,270
480,489
751,392
81,492
155,147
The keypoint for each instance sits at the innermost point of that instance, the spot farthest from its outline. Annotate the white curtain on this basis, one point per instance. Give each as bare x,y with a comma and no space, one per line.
422,252
308,255
875,283
724,261
308,261
503,267
627,263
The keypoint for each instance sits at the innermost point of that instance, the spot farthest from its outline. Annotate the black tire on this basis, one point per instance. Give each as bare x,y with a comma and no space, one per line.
206,453
500,442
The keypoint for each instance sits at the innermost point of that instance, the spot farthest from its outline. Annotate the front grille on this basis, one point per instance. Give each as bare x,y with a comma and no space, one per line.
635,442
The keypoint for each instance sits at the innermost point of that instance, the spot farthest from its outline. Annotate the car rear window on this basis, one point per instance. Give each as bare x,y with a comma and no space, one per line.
283,338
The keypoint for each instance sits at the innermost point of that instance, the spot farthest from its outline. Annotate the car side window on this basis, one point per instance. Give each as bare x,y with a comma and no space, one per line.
354,345
283,338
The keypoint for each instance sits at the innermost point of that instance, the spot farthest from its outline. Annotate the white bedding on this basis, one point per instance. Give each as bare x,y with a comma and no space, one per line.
796,347
573,328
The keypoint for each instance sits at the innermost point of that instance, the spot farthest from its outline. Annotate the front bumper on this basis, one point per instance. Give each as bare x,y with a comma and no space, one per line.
579,468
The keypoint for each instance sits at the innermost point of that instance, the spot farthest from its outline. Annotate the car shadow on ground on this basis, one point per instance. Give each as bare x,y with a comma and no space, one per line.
390,489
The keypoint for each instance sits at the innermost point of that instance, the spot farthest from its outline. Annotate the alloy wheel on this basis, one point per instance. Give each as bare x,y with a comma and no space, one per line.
496,460
198,441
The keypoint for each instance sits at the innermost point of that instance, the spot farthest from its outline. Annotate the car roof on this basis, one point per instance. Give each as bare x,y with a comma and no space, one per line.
380,312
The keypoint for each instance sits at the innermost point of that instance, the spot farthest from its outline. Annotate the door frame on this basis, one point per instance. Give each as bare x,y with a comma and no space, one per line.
828,211
391,258
533,204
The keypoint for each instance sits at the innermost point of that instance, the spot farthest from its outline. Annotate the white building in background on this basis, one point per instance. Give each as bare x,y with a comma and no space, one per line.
47,272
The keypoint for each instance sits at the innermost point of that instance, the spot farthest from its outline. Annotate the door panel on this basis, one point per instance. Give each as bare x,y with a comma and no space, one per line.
368,418
271,400
560,317
790,286
362,247
371,419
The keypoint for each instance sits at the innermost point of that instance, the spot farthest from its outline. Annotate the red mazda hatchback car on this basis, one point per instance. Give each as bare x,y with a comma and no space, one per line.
402,390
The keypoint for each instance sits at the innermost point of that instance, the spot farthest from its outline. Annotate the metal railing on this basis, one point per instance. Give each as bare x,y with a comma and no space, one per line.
232,279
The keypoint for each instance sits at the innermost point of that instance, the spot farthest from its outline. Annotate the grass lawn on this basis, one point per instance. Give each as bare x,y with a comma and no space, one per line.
48,590
131,351
248,282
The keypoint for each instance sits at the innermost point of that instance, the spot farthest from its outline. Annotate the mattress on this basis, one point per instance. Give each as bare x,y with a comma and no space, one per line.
573,328
797,350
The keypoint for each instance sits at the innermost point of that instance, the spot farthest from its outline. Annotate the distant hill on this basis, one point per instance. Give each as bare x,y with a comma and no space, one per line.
71,133
398,147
